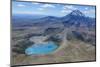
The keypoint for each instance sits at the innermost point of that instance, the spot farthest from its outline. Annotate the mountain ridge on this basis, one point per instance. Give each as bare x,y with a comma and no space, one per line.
75,18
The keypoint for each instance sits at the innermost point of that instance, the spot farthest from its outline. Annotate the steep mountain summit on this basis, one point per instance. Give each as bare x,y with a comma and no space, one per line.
76,18
76,13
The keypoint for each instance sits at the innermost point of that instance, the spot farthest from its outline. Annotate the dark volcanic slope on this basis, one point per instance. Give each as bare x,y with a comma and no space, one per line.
77,19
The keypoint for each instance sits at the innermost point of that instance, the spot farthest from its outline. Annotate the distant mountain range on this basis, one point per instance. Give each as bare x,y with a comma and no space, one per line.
75,18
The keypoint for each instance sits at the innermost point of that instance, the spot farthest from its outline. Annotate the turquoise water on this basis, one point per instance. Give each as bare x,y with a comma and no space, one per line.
41,48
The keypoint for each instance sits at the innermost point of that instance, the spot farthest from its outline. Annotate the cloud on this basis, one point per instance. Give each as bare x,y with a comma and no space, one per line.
21,5
24,12
40,8
35,3
29,12
45,7
69,7
89,11
86,8
48,5
65,11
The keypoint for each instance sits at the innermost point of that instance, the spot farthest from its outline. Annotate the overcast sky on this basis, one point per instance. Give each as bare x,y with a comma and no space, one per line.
50,9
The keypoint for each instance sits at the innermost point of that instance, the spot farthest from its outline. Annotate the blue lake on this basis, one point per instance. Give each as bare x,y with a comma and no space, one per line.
44,48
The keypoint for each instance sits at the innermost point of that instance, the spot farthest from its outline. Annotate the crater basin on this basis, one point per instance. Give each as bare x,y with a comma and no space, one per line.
43,48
